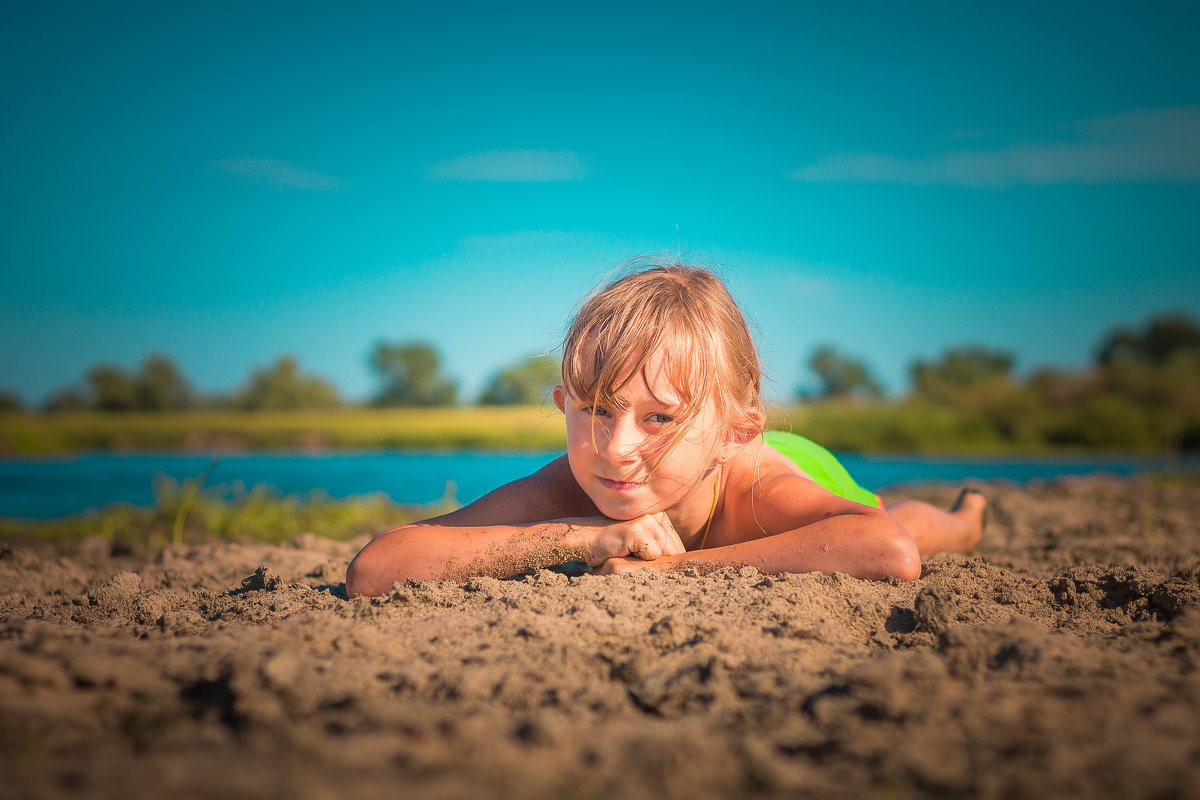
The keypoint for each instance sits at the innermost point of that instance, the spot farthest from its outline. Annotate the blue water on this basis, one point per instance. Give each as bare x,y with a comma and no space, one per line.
50,488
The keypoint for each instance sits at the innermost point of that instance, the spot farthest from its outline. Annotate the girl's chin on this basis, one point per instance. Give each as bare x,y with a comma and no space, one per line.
623,512
621,515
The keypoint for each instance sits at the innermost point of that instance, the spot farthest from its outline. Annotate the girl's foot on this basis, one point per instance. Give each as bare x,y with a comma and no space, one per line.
971,509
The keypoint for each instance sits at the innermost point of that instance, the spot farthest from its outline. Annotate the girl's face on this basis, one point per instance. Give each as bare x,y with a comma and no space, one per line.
616,455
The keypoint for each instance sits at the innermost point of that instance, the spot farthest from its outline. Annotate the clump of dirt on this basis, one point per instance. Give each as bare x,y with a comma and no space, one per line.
1059,660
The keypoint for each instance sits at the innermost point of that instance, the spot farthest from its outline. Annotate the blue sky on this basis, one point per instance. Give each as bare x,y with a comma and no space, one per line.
226,183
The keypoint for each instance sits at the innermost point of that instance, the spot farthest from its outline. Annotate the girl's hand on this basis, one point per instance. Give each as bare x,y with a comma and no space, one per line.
619,566
646,538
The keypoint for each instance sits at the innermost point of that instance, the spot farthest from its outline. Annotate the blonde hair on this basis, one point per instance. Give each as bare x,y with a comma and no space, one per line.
683,311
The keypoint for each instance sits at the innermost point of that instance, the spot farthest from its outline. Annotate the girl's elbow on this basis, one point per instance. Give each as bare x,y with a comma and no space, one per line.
362,577
889,551
376,567
901,559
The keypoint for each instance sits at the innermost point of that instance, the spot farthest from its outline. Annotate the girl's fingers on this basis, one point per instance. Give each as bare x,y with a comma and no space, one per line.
647,549
646,538
671,543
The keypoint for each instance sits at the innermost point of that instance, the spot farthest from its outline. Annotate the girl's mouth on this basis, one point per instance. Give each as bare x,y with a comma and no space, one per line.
618,486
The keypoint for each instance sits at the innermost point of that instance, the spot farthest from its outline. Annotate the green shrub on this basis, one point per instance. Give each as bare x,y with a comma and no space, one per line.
188,511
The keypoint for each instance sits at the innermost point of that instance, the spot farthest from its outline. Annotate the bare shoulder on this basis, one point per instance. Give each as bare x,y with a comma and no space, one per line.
769,494
549,493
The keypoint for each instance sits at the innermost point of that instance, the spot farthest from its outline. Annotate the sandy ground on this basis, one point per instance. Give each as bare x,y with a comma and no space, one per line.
1061,661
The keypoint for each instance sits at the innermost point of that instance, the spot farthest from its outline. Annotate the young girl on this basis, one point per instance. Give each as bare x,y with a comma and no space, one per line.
667,464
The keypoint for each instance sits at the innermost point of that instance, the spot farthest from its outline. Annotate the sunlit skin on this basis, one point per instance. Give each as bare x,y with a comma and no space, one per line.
630,464
618,502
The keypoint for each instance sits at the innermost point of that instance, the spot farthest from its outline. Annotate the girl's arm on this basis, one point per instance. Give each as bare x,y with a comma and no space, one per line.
790,524
537,521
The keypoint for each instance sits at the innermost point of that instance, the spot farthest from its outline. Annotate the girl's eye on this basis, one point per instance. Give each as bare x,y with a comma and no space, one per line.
595,411
661,419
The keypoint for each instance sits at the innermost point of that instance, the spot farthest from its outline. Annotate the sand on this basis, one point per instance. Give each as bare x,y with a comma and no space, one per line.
1060,660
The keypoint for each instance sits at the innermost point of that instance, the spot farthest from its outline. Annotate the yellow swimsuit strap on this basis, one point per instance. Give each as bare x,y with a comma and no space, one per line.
712,512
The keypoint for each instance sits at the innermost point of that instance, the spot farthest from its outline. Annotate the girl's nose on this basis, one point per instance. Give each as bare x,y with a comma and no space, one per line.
620,442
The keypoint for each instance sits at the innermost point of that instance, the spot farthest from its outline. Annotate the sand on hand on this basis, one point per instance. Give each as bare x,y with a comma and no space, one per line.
1061,660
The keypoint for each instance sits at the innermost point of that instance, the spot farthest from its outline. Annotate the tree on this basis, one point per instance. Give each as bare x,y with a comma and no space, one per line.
283,386
161,386
528,381
957,370
112,388
409,375
1155,370
10,401
1162,337
68,399
842,376
158,386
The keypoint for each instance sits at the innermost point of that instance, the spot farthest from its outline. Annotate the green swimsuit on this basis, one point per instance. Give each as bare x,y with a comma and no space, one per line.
820,465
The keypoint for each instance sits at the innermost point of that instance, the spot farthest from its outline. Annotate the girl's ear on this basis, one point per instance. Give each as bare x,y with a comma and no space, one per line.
742,432
560,398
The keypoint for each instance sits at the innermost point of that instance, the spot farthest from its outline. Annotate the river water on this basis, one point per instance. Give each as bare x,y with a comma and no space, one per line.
47,488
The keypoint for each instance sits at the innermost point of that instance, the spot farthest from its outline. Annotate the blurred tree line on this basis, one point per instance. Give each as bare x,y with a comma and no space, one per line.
1141,393
408,374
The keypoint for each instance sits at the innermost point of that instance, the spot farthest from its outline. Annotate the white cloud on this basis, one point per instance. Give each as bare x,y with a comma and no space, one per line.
279,174
1161,145
511,166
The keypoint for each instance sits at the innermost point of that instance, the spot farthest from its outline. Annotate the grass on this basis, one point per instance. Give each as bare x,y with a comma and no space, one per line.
885,427
189,511
895,428
517,428
912,426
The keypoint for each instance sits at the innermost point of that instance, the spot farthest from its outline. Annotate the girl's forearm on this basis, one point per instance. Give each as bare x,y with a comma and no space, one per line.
865,546
430,551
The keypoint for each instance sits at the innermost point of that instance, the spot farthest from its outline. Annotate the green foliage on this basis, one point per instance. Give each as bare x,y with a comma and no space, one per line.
161,386
10,401
158,386
842,376
454,428
409,376
944,380
1105,421
283,386
185,512
905,427
1162,338
1144,395
526,382
190,488
262,514
112,388
67,400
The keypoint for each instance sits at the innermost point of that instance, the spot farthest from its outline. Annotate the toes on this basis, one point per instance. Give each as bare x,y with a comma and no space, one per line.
965,495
